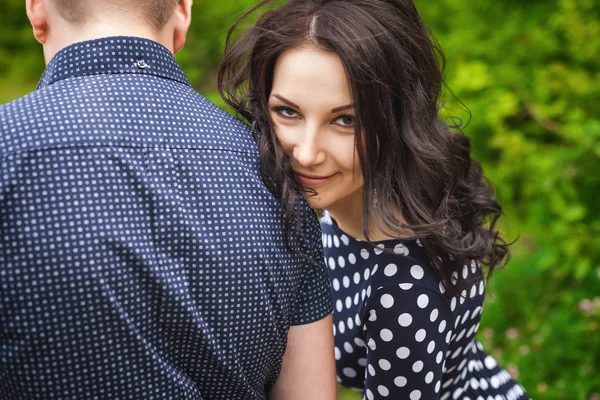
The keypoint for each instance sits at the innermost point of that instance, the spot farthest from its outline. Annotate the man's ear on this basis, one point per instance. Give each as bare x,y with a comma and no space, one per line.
183,19
38,16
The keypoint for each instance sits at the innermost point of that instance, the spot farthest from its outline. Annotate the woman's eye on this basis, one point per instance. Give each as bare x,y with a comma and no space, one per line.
287,112
345,121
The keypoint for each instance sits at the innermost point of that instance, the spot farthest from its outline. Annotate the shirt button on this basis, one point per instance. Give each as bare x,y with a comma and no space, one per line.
141,64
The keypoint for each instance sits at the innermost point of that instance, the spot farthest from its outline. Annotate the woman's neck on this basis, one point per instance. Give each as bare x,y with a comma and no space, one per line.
347,213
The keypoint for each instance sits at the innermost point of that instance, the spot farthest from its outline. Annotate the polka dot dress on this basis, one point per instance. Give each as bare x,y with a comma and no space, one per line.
397,333
141,255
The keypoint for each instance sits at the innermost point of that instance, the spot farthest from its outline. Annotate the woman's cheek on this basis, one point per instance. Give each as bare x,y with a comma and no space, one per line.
285,139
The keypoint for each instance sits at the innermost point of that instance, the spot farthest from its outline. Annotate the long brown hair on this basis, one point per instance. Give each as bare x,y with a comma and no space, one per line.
419,167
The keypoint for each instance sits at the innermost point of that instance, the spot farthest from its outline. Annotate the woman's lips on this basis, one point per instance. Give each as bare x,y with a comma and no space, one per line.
313,180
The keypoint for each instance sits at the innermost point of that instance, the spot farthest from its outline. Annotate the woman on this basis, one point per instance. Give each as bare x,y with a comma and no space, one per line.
344,99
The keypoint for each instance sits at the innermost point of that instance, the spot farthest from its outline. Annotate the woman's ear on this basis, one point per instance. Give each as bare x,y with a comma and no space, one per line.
183,19
38,16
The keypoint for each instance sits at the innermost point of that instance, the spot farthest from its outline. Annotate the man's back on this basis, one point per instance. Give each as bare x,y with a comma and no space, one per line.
141,254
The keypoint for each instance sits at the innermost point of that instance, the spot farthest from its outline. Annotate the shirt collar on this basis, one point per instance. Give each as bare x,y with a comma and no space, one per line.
113,55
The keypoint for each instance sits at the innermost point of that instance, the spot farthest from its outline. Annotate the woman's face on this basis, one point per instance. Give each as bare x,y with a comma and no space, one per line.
310,105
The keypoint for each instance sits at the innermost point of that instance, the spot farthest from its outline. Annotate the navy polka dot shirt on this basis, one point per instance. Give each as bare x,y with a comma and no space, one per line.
141,255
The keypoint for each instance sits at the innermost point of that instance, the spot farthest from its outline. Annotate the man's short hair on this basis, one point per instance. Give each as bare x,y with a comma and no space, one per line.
156,12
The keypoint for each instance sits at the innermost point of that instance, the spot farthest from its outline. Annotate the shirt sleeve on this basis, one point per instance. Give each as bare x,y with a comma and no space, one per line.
314,296
407,330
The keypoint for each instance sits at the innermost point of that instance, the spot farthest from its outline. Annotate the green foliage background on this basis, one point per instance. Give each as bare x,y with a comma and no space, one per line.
529,71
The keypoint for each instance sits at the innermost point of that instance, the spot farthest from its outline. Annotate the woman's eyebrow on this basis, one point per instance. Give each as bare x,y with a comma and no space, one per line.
338,109
285,100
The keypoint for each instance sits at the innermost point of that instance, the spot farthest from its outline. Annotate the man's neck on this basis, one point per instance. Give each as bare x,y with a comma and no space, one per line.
67,35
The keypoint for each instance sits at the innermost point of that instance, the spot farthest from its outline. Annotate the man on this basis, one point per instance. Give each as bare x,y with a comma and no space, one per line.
141,255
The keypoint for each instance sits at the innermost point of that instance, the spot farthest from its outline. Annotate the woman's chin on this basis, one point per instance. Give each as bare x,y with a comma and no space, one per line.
317,202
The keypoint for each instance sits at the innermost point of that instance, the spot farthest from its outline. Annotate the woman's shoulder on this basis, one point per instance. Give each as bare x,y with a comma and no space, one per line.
389,262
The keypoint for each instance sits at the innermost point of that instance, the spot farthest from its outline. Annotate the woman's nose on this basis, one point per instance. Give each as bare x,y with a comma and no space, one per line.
309,151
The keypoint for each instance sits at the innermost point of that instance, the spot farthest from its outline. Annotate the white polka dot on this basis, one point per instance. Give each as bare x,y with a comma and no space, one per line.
359,342
356,278
329,244
405,319
457,393
403,353
337,353
434,314
336,241
367,274
465,272
406,286
336,284
442,326
437,386
352,258
339,306
371,370
390,270
331,263
417,271
341,327
423,301
349,372
364,253
464,317
431,347
417,366
379,249
387,301
420,335
453,303
372,315
385,364
439,357
415,395
401,249
442,288
345,240
429,377
369,394
454,278
386,335
400,381
371,344
350,323
348,302
362,362
383,390
346,282
490,363
356,299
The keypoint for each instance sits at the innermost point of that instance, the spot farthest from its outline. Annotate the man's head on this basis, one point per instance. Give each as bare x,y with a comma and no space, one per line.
58,23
